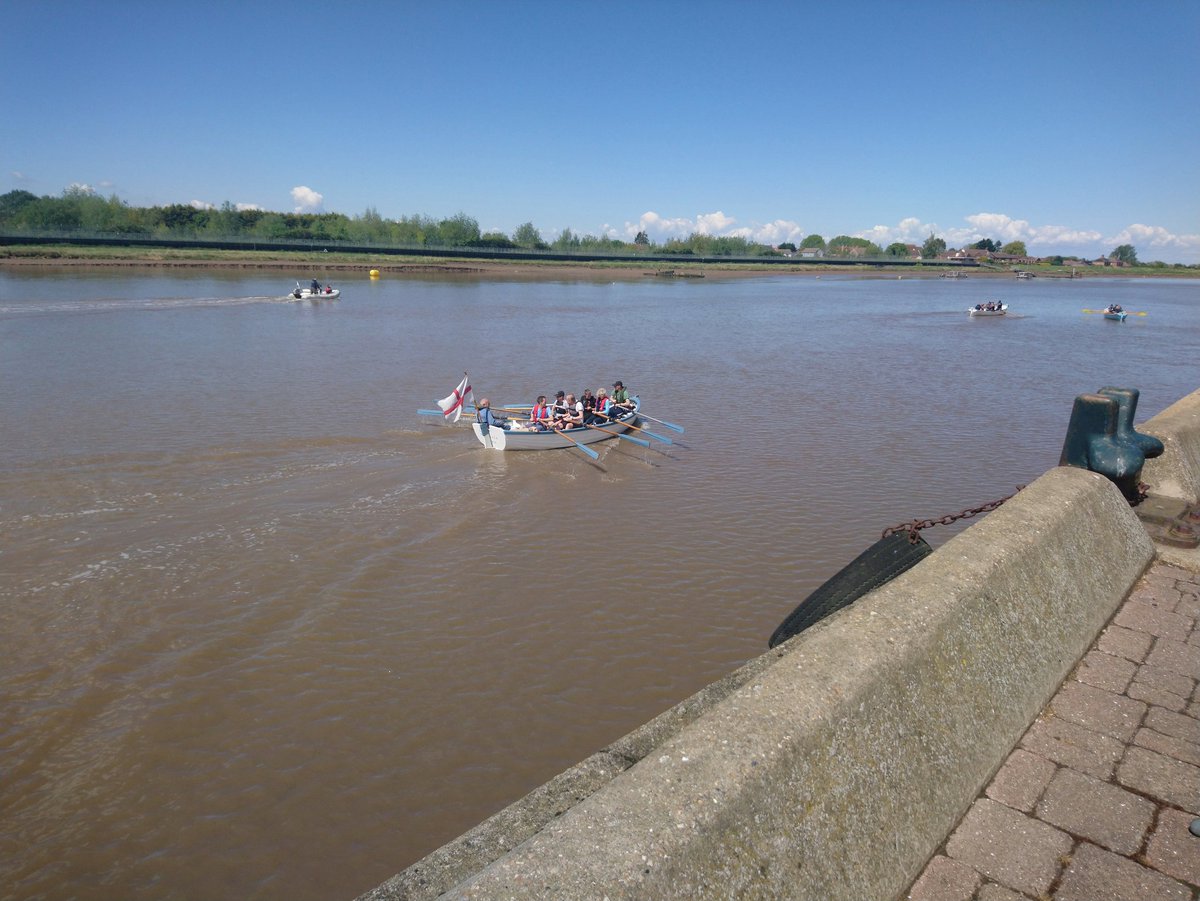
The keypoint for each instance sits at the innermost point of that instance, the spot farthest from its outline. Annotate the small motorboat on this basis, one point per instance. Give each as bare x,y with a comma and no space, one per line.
321,293
1115,312
518,436
991,308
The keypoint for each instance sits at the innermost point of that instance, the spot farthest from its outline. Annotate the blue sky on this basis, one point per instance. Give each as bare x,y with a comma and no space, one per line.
1073,126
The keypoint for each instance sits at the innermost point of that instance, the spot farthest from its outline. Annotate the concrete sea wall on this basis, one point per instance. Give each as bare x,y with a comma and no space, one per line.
834,766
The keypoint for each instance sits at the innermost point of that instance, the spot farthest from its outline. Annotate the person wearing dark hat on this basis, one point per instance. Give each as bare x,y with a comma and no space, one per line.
620,398
559,407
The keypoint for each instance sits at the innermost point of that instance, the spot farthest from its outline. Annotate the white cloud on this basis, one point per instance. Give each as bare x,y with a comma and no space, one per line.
78,188
243,207
1155,236
307,200
1040,240
201,205
716,224
19,177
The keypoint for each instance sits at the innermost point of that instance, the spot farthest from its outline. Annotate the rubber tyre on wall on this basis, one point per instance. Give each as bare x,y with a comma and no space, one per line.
877,565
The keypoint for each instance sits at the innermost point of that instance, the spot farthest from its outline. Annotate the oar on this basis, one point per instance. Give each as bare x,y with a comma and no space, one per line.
629,425
587,450
642,441
669,425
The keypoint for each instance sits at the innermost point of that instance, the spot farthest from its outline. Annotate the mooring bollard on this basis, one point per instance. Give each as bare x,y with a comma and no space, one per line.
1101,438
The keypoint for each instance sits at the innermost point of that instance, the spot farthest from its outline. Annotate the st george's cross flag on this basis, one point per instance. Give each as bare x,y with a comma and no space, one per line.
452,406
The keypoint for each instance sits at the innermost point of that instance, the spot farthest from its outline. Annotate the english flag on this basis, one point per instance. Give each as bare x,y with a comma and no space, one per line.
452,406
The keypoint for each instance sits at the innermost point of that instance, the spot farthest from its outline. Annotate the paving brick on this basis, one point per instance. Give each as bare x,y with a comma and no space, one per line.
1173,850
1098,875
1177,657
1140,691
1095,810
1156,621
1174,724
1099,710
1160,593
992,892
1073,746
1163,778
1127,643
945,879
1165,680
1021,780
1168,746
1106,671
1009,847
1189,604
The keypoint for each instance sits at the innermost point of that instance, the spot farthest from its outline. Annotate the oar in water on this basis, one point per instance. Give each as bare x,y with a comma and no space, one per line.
642,441
629,425
583,447
669,425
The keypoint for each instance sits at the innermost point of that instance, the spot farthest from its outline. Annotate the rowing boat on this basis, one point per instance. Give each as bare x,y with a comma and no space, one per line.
1116,314
518,436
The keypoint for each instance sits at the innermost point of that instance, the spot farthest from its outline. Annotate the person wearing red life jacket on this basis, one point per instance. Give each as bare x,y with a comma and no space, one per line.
603,410
540,414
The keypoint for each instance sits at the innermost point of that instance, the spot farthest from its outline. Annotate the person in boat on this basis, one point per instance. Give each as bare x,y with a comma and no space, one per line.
572,417
315,286
559,406
539,416
602,412
485,416
589,403
620,399
329,289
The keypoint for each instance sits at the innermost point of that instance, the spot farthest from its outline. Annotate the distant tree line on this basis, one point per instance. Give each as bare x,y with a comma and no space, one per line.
81,209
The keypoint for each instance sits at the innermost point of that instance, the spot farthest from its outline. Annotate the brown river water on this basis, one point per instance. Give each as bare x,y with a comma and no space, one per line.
267,633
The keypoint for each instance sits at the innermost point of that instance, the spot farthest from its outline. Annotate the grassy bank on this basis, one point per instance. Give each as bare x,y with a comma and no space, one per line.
306,260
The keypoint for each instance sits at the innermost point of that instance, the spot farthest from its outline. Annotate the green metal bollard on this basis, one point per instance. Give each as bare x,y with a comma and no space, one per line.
1101,438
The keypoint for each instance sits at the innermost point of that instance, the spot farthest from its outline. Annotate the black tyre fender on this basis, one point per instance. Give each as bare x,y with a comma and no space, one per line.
877,565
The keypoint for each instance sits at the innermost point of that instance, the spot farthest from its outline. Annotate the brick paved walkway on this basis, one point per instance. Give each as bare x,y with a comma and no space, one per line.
1095,802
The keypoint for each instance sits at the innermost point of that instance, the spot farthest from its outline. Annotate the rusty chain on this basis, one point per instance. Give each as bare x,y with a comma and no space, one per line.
914,528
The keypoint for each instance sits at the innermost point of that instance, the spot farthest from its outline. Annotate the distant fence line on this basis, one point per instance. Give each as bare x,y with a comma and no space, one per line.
84,239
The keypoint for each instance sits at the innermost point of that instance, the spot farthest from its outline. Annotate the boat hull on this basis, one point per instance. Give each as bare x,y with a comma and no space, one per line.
1116,317
309,294
1000,312
517,440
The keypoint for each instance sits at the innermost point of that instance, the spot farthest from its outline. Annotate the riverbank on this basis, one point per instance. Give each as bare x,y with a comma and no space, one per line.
318,262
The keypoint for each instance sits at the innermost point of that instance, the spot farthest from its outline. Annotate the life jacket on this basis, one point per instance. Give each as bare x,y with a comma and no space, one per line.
603,405
540,411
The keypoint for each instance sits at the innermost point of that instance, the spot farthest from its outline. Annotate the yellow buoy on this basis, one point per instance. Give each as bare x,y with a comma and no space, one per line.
374,273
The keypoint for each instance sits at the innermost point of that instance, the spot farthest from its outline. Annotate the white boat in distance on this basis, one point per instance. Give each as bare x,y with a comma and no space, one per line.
325,293
516,438
982,309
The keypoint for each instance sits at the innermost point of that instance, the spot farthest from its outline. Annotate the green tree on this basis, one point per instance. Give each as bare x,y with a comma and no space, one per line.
987,244
932,247
458,231
1126,254
13,202
642,239
847,246
787,245
812,241
1016,248
528,236
897,249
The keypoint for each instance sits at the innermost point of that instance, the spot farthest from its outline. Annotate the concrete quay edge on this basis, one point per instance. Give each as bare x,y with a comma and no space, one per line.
836,765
